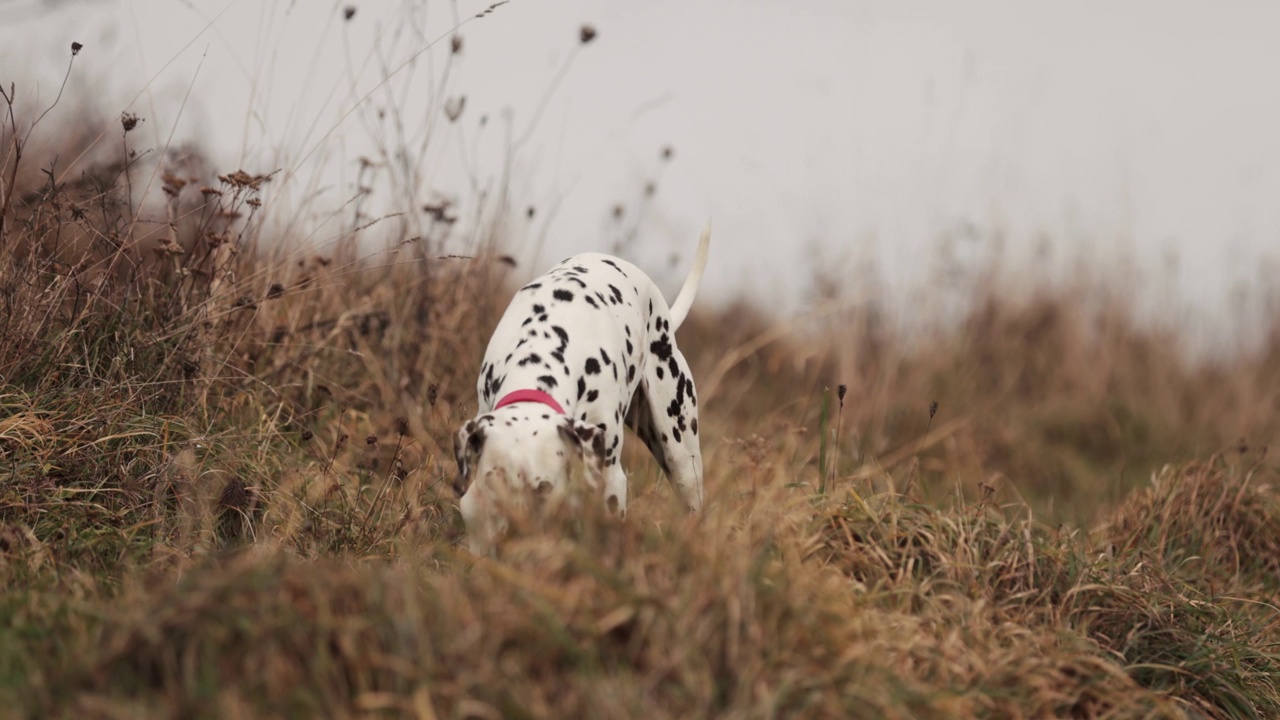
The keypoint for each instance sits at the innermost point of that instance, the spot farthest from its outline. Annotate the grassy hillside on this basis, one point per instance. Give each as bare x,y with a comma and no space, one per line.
224,492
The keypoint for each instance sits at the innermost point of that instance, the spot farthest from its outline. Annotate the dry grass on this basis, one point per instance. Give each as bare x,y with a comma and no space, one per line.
224,493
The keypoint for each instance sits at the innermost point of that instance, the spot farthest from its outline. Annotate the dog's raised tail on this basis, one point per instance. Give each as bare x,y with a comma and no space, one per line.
684,301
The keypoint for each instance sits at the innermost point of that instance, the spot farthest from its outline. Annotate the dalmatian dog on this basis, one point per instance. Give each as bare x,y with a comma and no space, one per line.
580,351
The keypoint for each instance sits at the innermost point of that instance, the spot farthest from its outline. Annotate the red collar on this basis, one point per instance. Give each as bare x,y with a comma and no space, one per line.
519,396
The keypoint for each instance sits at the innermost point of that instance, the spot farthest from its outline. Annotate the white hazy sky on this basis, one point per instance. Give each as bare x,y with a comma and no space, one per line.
815,133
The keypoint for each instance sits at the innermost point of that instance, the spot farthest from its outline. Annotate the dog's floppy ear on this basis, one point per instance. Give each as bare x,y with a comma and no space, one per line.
467,444
587,438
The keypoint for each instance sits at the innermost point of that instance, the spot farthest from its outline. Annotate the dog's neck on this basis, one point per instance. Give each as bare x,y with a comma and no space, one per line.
537,396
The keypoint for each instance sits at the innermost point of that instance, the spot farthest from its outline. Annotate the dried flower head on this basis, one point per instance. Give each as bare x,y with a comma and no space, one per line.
453,107
166,246
275,291
455,44
439,211
75,48
586,34
371,439
348,12
129,121
433,392
242,179
402,426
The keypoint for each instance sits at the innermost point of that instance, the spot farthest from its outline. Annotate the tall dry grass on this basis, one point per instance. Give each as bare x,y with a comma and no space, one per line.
224,466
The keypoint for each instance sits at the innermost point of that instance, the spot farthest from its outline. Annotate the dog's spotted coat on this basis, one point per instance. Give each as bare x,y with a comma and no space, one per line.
595,334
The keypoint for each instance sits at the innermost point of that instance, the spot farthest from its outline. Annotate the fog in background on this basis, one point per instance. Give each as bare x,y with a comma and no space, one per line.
909,138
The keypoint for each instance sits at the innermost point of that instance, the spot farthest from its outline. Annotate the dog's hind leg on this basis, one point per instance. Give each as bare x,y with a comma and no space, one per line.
664,414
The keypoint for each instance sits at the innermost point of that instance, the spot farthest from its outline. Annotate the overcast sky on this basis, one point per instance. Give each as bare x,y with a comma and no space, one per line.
812,133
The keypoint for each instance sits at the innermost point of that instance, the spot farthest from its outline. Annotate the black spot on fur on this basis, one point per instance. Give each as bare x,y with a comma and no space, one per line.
548,380
675,433
617,294
564,336
658,369
593,366
593,395
661,348
533,358
476,440
538,309
605,357
591,301
582,387
631,373
562,294
693,425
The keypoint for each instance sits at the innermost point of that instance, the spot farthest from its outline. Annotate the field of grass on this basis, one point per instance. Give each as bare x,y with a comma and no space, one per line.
225,462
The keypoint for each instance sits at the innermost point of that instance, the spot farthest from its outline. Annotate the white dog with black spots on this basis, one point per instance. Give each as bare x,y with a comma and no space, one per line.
581,351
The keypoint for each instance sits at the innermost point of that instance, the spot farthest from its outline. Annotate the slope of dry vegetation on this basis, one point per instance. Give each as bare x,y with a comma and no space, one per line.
224,469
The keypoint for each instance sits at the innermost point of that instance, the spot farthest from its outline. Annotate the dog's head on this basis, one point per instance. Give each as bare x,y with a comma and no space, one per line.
526,445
